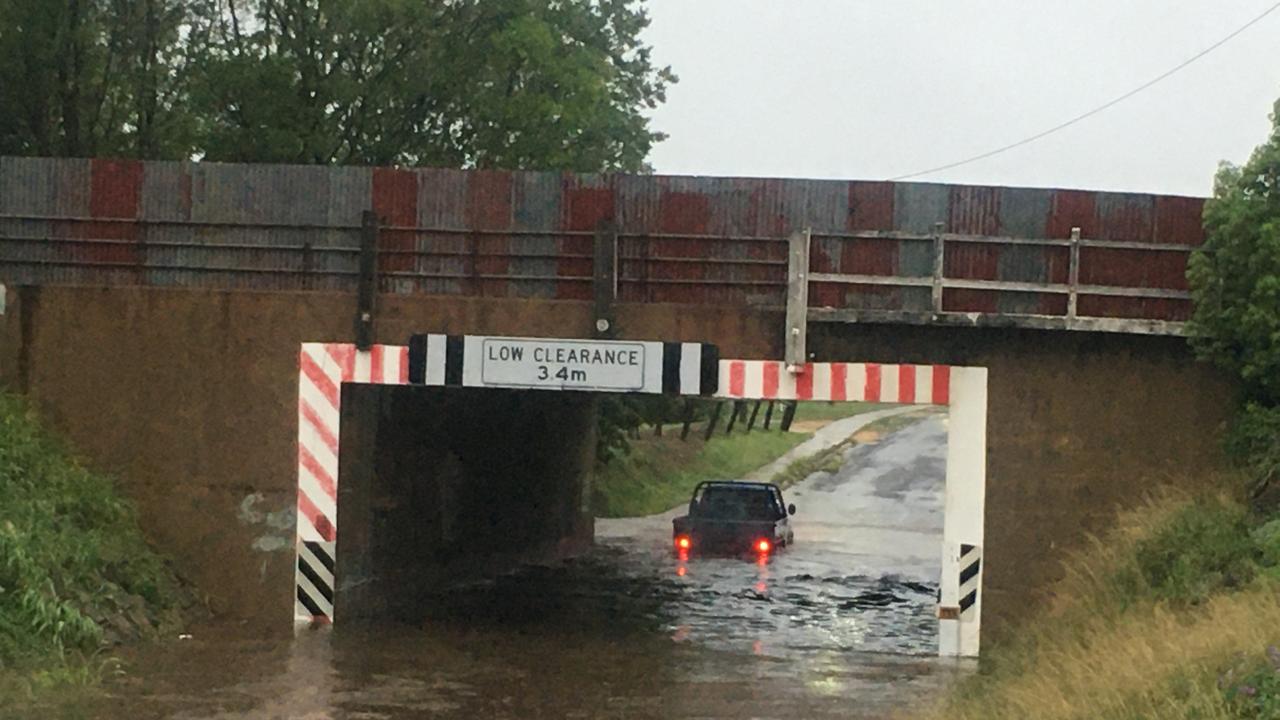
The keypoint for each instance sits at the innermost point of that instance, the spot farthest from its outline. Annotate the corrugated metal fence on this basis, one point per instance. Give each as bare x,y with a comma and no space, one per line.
529,234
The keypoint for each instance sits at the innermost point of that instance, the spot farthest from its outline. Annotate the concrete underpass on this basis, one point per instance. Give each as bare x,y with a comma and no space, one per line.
470,582
444,484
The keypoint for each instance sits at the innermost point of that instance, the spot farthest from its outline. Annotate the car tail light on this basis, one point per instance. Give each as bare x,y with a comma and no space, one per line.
763,545
683,542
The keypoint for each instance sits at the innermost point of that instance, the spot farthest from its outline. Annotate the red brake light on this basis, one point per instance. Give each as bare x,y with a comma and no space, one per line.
683,542
763,545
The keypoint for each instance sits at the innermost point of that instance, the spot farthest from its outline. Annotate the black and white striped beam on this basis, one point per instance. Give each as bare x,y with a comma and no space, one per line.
564,364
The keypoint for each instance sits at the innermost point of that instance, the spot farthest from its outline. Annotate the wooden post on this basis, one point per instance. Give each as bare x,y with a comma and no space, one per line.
688,419
768,415
755,410
715,418
737,408
605,278
939,256
788,414
367,289
797,299
1073,274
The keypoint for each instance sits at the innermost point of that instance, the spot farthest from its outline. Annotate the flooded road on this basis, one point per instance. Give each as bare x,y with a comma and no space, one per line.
839,625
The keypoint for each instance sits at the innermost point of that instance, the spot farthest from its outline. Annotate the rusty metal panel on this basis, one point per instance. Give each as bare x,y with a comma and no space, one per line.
350,195
684,239
586,200
1179,220
441,205
166,192
48,187
489,208
1024,212
166,201
535,206
1125,217
1133,268
1139,308
685,212
1072,209
43,188
974,210
638,207
871,206
242,207
393,197
918,208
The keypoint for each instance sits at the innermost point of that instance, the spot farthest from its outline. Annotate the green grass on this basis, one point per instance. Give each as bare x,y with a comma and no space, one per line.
809,411
1175,614
660,473
75,572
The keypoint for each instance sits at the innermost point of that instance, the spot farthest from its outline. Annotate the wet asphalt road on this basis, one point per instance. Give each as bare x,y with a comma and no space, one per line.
840,624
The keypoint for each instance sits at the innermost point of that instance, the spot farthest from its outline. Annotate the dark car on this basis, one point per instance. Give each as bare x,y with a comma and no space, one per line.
733,517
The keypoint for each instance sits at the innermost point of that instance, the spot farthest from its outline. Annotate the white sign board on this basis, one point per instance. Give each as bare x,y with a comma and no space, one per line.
608,365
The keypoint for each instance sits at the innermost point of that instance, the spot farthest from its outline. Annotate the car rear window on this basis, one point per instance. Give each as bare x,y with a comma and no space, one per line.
731,503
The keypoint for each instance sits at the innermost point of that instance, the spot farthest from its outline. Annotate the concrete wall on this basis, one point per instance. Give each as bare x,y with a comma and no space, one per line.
1078,424
189,397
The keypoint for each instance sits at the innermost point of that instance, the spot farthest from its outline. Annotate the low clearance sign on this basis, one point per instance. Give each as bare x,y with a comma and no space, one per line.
568,364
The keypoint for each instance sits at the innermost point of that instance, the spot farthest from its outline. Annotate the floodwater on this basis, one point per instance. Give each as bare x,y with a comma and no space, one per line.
841,624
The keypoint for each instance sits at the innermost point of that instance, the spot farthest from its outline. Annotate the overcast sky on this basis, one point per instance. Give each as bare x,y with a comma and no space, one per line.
873,89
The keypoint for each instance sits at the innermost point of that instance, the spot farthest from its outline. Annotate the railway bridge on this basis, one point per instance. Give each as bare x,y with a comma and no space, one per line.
163,315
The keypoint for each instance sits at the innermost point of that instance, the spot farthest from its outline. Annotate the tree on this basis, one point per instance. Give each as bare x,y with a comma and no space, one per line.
468,83
93,77
1235,285
517,84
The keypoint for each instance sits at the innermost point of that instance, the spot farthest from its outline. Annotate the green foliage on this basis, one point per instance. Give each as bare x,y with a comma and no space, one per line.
464,83
621,417
1252,686
1254,442
1267,539
1164,617
94,77
1203,549
1235,279
1235,285
660,473
71,555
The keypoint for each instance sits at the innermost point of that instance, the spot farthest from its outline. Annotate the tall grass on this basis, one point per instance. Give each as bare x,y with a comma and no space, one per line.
1174,614
75,571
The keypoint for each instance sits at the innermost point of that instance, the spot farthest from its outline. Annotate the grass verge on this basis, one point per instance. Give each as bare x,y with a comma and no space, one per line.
75,573
809,411
660,473
1174,614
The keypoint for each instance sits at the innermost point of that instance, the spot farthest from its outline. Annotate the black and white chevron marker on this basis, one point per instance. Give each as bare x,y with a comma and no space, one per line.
564,364
314,581
970,575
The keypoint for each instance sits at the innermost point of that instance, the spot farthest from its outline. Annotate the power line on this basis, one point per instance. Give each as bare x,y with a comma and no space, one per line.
1096,110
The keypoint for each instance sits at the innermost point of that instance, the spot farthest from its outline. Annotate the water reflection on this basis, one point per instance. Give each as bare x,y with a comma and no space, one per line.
839,625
